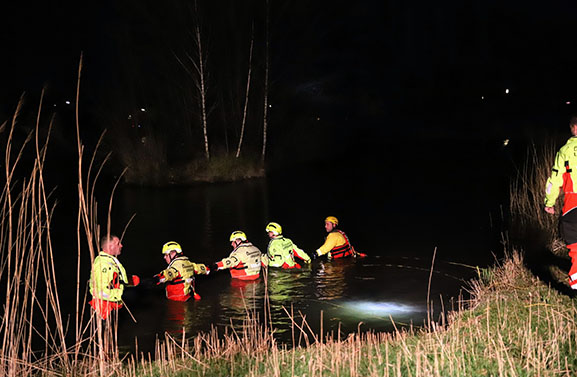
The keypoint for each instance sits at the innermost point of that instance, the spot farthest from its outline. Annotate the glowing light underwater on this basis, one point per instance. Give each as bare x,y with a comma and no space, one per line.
381,309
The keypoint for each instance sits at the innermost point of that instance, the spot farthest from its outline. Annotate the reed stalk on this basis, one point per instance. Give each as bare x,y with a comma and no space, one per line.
526,194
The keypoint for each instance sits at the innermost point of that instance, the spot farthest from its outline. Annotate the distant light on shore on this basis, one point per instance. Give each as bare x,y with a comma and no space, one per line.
506,91
67,102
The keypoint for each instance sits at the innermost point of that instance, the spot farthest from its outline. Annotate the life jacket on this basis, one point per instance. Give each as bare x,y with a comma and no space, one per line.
244,262
179,279
344,250
563,175
107,278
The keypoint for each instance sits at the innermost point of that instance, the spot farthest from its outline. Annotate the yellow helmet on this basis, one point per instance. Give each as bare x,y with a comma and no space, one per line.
238,234
332,219
171,246
275,228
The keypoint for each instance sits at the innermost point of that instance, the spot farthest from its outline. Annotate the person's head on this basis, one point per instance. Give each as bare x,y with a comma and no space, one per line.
170,250
273,230
331,223
110,244
236,238
573,125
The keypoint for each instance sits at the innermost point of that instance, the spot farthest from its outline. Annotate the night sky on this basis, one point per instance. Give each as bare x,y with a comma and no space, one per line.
382,65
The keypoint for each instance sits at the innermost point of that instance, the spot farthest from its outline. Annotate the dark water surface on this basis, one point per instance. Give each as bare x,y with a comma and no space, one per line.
397,208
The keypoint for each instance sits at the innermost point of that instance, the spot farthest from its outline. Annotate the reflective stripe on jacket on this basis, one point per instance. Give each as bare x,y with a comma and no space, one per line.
107,278
244,262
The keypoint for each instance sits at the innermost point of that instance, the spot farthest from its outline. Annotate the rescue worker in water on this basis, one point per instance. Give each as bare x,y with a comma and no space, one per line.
179,275
108,278
245,260
281,251
563,177
337,244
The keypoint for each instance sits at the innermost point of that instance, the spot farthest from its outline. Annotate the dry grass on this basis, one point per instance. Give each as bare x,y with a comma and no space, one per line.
526,195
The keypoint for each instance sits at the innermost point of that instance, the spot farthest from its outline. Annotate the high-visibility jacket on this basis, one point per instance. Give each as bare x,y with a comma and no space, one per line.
336,245
107,278
281,252
563,174
244,262
179,278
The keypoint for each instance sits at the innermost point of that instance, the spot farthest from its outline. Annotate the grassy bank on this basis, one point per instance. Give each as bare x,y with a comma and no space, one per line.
218,169
146,171
515,326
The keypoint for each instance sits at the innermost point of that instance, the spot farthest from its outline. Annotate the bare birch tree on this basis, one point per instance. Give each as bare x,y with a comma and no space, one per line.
202,86
266,67
246,94
199,77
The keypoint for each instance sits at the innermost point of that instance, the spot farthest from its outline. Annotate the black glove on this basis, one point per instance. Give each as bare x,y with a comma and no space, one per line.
156,279
314,255
213,267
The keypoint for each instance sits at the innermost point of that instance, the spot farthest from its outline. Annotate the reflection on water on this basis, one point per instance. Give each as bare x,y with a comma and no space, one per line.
331,279
240,298
182,316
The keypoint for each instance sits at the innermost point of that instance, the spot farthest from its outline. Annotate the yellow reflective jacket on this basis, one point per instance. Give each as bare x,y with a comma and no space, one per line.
107,278
281,252
565,162
181,271
244,262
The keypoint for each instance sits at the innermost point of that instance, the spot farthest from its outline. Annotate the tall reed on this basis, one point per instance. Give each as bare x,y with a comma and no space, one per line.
527,192
33,330
27,273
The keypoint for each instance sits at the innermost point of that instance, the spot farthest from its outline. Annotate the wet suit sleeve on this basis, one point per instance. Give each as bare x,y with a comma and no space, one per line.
330,243
230,262
299,253
169,274
200,269
555,180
